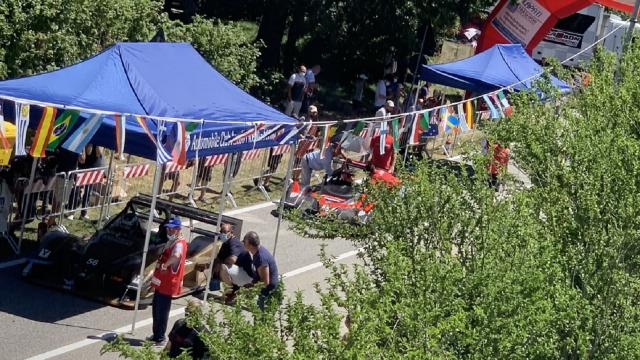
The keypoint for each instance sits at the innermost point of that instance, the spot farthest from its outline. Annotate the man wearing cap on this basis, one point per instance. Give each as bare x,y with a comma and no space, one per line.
386,110
167,278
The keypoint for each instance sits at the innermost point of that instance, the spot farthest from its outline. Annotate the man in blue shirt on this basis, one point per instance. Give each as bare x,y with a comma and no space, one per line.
266,270
314,162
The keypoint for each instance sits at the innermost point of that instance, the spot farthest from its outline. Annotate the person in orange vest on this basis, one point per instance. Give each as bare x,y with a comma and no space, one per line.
167,278
499,162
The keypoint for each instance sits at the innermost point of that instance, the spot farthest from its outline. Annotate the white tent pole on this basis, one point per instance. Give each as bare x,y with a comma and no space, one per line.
147,237
231,161
292,157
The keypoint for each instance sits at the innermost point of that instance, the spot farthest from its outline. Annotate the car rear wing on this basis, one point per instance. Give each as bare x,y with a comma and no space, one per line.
189,212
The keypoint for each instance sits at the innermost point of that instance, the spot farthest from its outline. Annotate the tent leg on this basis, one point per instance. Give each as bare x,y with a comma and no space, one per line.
147,237
287,180
106,198
196,166
26,203
223,197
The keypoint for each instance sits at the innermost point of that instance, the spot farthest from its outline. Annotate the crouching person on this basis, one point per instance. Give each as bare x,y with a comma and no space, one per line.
185,338
264,265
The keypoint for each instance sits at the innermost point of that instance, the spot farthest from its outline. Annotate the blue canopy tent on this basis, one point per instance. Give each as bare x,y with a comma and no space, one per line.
490,70
156,80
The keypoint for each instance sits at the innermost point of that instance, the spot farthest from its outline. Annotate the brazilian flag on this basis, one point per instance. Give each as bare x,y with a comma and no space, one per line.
64,123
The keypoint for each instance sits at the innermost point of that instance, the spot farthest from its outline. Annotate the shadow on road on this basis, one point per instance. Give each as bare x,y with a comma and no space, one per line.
26,300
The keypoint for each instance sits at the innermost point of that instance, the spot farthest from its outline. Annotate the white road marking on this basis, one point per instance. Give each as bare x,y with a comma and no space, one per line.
179,311
263,205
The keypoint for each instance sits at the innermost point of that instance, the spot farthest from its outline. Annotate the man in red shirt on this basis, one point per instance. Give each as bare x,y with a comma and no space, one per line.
384,161
167,278
498,164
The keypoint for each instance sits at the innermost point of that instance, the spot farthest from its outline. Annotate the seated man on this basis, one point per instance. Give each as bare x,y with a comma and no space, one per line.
184,338
313,161
384,161
228,254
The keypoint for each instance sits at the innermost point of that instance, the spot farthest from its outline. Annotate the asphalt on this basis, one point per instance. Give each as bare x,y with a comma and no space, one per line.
39,322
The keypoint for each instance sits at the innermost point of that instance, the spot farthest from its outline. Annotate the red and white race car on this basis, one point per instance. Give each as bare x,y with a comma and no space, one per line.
338,194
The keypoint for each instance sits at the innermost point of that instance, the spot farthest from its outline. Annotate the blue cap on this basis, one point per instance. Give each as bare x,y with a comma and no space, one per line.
173,223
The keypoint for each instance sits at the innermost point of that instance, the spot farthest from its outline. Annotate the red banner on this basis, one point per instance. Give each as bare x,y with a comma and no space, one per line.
528,21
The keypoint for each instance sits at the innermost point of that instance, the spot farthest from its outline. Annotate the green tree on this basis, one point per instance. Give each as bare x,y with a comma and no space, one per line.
448,270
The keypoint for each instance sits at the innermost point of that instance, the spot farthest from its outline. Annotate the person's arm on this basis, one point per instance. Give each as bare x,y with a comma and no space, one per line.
291,82
230,260
289,92
263,272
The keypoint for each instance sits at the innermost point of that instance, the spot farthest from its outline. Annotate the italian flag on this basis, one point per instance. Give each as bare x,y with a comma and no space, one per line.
420,125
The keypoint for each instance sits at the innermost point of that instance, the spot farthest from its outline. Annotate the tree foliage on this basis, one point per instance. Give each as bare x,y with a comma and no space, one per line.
449,270
44,35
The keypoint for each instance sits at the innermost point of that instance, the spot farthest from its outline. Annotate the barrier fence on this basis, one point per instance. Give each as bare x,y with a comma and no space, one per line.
67,195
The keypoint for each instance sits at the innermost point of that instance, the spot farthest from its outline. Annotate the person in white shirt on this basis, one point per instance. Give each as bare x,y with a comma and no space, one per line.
312,86
296,91
381,94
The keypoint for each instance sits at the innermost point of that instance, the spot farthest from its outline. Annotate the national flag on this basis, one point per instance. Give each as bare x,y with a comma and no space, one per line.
63,125
452,123
468,111
190,127
269,132
177,142
508,110
83,134
494,112
294,131
395,132
461,116
43,133
3,136
420,125
121,132
357,129
22,124
383,136
252,131
498,104
162,156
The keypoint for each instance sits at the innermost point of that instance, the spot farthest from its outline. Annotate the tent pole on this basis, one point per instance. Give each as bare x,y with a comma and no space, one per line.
196,166
632,25
287,180
156,185
415,73
106,199
223,200
25,202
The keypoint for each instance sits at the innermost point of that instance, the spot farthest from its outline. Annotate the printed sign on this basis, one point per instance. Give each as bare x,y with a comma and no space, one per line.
564,38
519,22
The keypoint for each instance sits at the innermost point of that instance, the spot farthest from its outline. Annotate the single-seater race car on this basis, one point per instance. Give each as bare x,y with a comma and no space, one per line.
106,266
337,194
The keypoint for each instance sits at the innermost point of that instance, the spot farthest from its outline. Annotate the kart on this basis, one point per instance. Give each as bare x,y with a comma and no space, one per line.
106,266
338,194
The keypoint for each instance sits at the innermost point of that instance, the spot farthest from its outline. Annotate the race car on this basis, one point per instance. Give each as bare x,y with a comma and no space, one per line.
337,194
106,266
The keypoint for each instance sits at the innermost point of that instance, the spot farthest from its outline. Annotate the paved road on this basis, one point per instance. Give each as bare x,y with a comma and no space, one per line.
44,323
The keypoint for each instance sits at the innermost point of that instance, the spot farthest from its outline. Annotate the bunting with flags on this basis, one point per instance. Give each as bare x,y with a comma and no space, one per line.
395,132
462,117
177,141
43,133
420,125
357,129
63,125
83,134
383,136
21,127
3,134
121,132
162,156
498,104
270,132
294,131
452,123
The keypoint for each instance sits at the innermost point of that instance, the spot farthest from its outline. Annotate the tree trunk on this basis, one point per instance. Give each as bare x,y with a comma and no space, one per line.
271,31
296,30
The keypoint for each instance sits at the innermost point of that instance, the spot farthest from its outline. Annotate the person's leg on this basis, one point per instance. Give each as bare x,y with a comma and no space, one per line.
86,195
306,173
155,307
289,108
162,316
296,109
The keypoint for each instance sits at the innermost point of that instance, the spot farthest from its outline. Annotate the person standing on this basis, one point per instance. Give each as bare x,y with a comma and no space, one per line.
381,94
359,86
312,86
295,92
167,278
266,270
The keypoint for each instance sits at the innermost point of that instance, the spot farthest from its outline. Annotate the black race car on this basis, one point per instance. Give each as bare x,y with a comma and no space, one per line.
107,265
